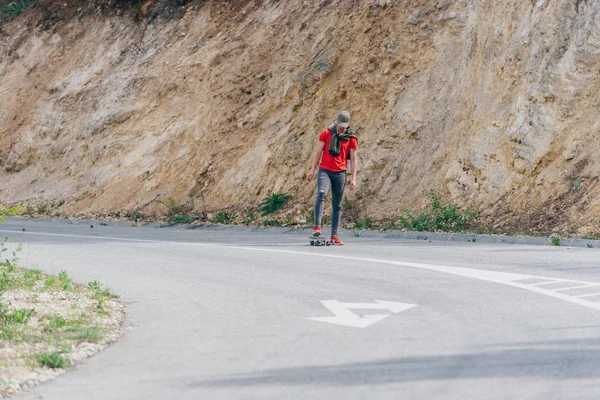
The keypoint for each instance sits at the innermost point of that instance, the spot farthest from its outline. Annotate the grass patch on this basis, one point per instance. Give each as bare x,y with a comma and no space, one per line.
50,283
52,360
50,337
13,324
16,317
555,241
88,334
56,324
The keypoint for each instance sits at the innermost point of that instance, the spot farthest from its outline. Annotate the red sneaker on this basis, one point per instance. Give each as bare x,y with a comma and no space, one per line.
317,231
336,240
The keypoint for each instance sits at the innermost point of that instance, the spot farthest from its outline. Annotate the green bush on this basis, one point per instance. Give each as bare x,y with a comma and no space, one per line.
12,9
10,212
224,218
273,202
440,217
136,216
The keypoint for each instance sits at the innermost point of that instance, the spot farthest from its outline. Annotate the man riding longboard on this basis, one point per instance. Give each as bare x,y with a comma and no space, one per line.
335,146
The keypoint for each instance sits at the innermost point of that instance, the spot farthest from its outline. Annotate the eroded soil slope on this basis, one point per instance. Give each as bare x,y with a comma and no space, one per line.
218,104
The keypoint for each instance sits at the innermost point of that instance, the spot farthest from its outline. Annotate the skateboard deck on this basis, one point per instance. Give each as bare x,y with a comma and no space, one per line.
319,241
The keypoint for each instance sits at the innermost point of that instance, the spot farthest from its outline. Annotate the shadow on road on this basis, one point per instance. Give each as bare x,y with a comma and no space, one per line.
550,360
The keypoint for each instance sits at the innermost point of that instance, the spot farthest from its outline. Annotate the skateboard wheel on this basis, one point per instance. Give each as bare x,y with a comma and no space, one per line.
327,243
312,242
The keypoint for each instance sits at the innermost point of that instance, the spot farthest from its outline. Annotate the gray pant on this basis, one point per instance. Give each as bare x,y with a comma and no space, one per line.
337,181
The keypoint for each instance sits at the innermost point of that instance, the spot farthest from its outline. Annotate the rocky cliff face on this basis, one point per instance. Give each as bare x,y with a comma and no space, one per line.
493,103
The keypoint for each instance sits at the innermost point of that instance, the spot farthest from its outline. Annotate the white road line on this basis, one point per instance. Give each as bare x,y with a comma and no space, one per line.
574,287
509,279
545,283
588,295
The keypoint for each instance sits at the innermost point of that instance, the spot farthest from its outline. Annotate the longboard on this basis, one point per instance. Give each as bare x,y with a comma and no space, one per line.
319,241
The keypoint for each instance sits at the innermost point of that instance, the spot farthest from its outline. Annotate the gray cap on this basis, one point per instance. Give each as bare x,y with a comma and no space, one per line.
343,119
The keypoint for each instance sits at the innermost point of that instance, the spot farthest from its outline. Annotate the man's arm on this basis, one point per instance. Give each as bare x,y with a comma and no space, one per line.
316,160
353,166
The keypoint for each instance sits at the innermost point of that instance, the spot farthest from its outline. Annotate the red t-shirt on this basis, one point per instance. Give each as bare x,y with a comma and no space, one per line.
339,163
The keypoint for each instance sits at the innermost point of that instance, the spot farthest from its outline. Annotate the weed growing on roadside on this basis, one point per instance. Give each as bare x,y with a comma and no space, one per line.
17,317
56,323
175,213
184,219
66,283
49,283
591,237
11,324
100,293
363,224
555,241
9,263
89,334
273,202
10,212
442,217
173,209
271,222
136,216
224,218
250,219
52,360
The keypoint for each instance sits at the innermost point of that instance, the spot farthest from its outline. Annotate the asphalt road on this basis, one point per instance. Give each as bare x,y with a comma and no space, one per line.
227,315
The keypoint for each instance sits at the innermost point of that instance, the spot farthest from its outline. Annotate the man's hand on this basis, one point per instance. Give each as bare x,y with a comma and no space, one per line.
310,175
352,183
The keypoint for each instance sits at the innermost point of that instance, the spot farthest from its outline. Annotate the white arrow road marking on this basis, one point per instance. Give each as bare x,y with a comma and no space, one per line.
343,315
